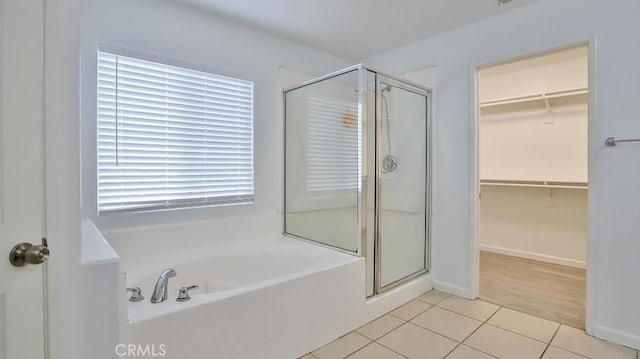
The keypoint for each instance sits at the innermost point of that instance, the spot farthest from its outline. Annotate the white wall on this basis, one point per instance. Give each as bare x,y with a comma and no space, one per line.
613,287
560,70
524,142
543,224
167,31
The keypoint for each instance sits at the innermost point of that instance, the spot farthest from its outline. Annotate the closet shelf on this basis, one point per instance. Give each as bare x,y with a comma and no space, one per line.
535,184
536,97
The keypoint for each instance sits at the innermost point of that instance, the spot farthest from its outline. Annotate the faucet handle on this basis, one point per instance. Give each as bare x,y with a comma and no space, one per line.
183,295
136,294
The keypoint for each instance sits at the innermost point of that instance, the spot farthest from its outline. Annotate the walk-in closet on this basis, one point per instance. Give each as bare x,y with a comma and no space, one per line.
533,165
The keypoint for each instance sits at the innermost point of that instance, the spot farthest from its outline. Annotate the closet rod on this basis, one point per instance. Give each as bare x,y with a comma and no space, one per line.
550,95
535,184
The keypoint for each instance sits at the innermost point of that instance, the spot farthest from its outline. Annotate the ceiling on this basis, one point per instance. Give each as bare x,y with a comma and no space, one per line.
355,29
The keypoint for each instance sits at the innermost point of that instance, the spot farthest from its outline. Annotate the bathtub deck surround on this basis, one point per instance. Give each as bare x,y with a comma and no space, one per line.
436,325
260,295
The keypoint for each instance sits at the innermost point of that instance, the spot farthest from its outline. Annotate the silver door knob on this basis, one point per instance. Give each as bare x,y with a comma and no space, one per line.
26,253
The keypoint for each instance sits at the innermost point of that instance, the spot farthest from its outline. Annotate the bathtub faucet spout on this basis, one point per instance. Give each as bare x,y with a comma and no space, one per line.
161,291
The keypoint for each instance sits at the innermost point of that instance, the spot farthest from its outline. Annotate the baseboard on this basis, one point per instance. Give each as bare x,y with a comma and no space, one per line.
452,289
535,256
616,336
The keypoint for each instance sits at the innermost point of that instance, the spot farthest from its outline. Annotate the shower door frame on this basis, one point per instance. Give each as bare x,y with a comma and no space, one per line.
381,80
363,119
361,250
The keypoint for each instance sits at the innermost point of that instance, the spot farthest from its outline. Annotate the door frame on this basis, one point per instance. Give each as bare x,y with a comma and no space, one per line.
593,146
62,206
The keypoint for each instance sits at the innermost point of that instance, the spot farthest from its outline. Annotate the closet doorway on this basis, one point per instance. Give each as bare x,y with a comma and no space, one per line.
533,171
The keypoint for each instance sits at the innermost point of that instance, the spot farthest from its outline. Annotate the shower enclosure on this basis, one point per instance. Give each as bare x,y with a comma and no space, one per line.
357,170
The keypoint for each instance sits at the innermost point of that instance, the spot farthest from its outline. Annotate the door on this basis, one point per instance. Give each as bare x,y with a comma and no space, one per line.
22,330
402,164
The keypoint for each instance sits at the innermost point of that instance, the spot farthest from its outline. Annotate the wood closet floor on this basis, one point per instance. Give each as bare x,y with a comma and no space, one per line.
550,291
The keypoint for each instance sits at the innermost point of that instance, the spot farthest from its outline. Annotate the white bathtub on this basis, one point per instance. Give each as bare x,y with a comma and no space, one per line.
227,271
260,295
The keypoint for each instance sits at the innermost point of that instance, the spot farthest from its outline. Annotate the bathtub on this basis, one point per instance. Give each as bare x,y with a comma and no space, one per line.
259,295
230,271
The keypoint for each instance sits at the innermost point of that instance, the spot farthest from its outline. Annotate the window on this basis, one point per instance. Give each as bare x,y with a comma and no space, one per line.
171,137
333,145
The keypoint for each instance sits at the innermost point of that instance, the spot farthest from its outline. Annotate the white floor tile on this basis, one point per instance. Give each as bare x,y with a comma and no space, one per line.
476,309
375,351
557,353
411,309
447,323
342,347
433,297
308,356
465,352
577,341
379,327
505,344
525,324
414,342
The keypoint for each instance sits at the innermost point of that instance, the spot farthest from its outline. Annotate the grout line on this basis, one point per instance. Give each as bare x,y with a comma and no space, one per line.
470,334
439,334
395,316
523,335
385,333
357,350
572,352
430,306
340,337
472,348
549,344
435,332
395,328
466,316
565,349
384,346
409,322
436,303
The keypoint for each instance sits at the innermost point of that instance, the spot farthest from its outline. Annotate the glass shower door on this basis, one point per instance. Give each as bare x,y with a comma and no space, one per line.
401,169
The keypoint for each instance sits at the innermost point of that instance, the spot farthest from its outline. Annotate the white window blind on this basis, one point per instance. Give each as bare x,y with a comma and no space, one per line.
333,144
171,137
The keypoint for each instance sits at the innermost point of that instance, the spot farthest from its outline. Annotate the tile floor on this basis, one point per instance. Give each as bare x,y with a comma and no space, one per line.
436,325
